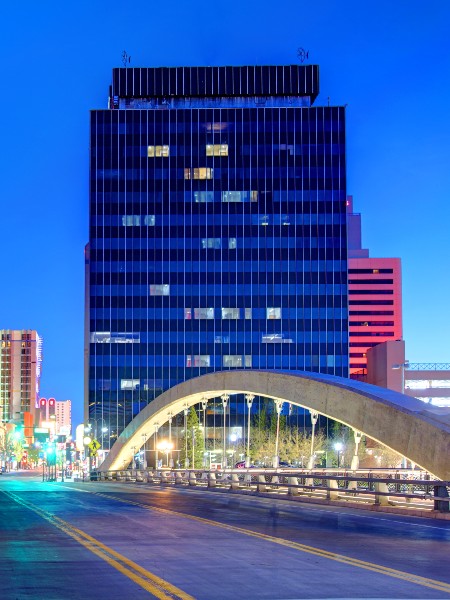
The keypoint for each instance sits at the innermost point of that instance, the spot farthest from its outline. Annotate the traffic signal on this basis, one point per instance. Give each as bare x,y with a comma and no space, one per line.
43,409
51,407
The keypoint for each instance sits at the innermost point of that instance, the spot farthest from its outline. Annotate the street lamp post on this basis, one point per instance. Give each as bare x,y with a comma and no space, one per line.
170,415
186,459
156,445
279,407
249,398
144,462
224,398
204,406
338,447
314,418
165,446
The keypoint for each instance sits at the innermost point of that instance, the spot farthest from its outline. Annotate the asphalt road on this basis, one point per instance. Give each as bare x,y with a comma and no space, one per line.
61,541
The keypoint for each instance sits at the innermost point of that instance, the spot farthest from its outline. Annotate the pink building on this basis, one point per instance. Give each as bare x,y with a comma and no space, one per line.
20,371
375,297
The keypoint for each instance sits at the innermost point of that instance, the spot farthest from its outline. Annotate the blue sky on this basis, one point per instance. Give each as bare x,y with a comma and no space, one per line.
389,61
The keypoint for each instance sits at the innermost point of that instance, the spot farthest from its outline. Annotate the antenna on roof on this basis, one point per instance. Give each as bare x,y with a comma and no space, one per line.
126,59
302,54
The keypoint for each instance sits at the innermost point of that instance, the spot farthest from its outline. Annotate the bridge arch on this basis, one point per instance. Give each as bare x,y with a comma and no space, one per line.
418,431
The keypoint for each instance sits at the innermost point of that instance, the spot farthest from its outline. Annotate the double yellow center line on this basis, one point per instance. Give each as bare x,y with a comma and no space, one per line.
148,581
347,560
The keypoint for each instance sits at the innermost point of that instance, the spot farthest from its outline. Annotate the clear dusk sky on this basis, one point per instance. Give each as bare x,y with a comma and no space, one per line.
388,60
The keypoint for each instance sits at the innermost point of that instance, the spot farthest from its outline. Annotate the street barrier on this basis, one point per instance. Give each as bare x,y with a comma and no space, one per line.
380,487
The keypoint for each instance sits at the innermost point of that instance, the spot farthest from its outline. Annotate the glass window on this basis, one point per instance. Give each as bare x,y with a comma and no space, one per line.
198,173
230,196
203,313
211,243
160,290
131,220
273,313
129,384
232,360
230,313
203,196
217,150
187,313
157,151
149,220
248,313
232,245
237,360
264,220
198,360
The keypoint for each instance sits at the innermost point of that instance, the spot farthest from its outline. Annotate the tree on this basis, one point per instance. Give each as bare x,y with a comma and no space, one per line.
193,440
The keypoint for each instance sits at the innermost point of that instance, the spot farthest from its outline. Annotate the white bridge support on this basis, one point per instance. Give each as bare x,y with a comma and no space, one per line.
415,430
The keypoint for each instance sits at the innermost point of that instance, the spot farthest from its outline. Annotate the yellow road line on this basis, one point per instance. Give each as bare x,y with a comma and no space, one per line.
354,562
149,581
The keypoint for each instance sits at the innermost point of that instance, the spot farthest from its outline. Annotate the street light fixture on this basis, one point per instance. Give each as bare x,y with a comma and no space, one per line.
165,446
338,446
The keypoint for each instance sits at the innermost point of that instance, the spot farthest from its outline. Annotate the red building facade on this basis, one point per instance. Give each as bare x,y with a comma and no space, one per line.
375,297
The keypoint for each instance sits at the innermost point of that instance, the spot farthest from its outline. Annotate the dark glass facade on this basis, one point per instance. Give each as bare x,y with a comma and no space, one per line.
217,231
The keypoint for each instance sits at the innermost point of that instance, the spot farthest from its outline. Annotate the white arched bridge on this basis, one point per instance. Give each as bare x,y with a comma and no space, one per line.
417,431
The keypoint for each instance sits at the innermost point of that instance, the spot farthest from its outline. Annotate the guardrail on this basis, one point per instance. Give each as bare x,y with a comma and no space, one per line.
399,487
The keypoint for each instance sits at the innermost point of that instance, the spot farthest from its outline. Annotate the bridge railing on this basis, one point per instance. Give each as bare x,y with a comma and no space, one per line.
392,487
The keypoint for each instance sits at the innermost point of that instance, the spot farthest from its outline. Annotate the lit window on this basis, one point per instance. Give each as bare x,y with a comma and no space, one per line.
264,220
213,243
230,313
203,313
129,384
217,150
198,360
157,151
248,313
160,290
187,313
237,360
203,196
135,220
232,245
198,173
230,196
131,220
273,313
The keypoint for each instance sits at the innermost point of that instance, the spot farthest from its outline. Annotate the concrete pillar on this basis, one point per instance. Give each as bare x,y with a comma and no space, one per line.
332,489
383,488
262,487
192,478
234,481
293,491
212,479
355,458
178,478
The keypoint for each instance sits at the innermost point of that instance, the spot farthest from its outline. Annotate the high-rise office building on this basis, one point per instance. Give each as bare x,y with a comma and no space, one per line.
375,297
20,371
217,231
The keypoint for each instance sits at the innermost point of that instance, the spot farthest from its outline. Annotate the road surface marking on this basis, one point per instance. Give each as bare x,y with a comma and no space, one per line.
354,562
151,583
